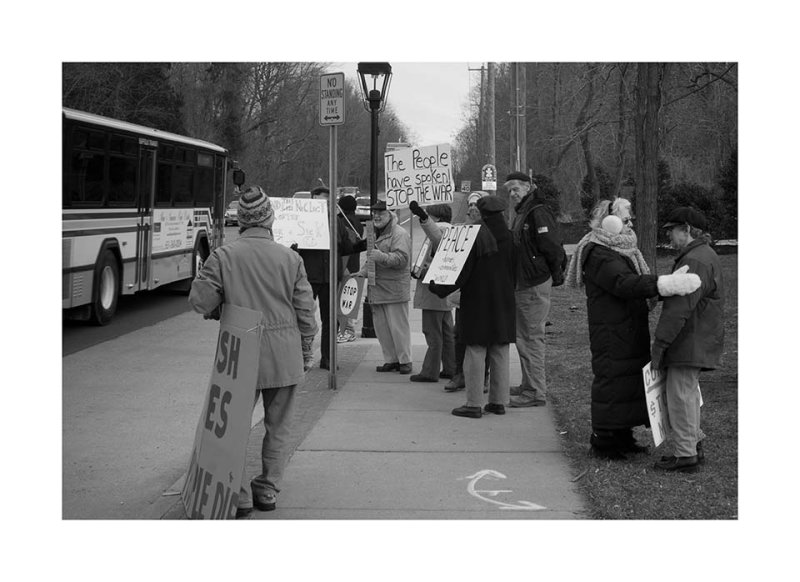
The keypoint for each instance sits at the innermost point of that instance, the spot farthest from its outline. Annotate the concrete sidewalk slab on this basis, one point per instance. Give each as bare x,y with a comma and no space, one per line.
373,485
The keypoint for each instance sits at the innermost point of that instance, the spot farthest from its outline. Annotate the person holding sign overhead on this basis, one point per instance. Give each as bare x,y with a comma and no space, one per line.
437,313
391,293
257,273
487,304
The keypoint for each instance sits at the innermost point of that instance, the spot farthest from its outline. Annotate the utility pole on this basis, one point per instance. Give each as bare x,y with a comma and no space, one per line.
490,137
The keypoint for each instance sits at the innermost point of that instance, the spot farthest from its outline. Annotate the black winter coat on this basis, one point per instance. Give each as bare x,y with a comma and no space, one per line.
619,336
487,304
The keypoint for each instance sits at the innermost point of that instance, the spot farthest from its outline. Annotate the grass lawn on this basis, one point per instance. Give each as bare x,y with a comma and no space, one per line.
632,489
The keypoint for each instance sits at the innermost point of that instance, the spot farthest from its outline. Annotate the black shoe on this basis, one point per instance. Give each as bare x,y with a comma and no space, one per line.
678,464
243,512
468,411
445,376
388,367
608,454
421,378
701,456
265,501
495,408
404,368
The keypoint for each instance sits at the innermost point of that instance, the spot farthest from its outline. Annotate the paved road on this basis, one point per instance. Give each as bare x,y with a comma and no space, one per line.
134,312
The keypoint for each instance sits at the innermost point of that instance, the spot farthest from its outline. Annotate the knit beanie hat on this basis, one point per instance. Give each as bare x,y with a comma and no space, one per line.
347,203
255,208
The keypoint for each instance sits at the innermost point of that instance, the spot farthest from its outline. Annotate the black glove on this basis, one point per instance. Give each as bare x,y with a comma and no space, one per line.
294,247
360,246
415,208
558,279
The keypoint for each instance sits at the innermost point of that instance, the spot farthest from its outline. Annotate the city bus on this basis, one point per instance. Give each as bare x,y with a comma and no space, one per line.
142,208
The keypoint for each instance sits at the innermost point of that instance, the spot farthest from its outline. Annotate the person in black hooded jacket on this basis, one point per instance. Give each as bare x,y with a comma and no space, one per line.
488,310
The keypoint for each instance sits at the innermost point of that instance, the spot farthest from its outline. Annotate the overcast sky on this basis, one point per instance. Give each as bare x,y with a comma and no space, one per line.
430,98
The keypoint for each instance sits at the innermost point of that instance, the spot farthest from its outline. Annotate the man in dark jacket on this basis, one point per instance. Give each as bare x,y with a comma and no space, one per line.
689,337
317,264
487,305
540,265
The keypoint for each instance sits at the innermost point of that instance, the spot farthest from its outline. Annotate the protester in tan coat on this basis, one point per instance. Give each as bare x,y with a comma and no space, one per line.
257,273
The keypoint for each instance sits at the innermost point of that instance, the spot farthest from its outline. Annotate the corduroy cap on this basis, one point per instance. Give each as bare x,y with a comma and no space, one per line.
491,205
254,207
686,215
521,176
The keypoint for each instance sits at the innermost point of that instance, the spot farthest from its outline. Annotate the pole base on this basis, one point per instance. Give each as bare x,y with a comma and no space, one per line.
367,327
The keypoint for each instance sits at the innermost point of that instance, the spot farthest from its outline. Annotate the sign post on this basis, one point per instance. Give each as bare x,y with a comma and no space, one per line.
489,178
331,114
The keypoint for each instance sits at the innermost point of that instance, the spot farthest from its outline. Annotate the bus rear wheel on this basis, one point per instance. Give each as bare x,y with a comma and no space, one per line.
106,285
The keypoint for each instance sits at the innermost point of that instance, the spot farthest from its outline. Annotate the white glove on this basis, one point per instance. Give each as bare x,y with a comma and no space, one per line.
678,283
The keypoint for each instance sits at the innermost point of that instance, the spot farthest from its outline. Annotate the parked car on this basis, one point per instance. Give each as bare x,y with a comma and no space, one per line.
232,213
302,194
362,208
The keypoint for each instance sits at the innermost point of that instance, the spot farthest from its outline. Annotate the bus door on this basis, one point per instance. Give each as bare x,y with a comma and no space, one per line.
144,230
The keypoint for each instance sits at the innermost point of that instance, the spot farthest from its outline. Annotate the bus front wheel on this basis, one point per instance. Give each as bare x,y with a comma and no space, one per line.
106,289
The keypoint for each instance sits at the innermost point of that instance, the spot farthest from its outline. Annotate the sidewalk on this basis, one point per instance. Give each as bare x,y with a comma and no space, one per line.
388,448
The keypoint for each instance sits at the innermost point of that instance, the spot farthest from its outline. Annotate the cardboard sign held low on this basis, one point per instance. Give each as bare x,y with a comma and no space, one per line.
655,392
451,254
350,295
654,389
211,490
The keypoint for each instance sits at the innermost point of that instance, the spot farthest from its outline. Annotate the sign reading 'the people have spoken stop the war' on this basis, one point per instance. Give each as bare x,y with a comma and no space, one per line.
451,254
424,174
211,489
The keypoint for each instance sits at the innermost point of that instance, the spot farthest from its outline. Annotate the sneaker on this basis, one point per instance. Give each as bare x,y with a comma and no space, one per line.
515,390
404,368
341,338
264,500
468,411
524,401
455,384
678,464
495,408
348,336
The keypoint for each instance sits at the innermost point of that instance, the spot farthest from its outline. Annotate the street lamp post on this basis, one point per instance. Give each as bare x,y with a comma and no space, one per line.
374,98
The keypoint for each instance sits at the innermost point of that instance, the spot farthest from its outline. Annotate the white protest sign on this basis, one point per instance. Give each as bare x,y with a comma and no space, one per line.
211,490
301,220
424,174
654,387
350,296
451,254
